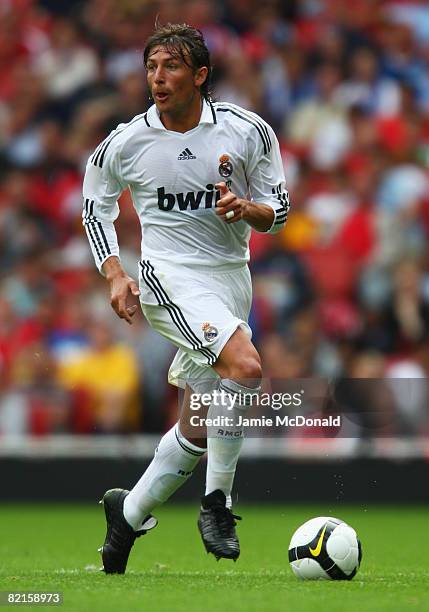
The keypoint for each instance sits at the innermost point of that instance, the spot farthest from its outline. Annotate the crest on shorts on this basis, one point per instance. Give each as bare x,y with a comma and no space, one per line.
225,166
210,332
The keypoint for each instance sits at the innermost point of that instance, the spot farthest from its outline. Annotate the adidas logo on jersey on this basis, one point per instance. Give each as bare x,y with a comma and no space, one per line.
186,154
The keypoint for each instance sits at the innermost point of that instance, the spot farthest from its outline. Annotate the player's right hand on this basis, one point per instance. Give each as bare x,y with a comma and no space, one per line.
122,287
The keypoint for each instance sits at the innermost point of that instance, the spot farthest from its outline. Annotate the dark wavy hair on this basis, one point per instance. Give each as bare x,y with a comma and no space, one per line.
185,42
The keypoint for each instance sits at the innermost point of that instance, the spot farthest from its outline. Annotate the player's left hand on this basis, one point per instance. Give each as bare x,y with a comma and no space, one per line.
229,203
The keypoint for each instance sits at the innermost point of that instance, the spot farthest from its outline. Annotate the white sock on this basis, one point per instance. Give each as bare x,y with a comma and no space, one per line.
174,460
224,443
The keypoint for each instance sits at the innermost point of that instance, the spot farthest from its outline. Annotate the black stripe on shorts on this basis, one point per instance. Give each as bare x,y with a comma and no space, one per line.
174,311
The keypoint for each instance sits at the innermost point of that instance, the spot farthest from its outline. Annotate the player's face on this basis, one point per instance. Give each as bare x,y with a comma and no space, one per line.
173,84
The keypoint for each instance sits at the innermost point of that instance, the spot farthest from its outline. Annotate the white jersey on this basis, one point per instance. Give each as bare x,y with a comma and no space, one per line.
171,178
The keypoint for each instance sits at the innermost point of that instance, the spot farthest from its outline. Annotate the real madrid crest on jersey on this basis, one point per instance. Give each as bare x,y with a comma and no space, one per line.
225,166
210,332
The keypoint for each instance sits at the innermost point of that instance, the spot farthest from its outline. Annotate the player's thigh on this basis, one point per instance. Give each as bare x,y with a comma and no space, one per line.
235,288
198,312
200,324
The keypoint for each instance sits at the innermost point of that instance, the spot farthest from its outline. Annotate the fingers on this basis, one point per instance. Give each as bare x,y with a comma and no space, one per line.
226,200
228,207
131,311
119,296
222,188
230,214
133,288
126,312
122,310
233,216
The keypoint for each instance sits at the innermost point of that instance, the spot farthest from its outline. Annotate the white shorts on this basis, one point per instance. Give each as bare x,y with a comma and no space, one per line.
197,310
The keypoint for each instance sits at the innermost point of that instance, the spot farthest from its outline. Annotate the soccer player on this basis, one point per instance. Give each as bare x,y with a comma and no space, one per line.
201,175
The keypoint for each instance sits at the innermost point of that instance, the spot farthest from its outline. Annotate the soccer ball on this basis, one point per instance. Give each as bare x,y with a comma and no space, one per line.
325,548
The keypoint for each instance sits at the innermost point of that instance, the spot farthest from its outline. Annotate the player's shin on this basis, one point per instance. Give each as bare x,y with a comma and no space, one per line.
225,439
173,463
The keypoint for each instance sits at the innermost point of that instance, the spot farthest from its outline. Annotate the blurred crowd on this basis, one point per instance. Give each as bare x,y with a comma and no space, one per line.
342,292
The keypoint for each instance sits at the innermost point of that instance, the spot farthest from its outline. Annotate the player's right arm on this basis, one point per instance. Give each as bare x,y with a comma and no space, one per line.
102,187
121,286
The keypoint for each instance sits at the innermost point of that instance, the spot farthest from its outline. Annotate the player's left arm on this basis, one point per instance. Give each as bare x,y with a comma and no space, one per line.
269,205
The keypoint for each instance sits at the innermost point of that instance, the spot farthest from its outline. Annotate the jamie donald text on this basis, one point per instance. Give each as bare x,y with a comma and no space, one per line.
263,421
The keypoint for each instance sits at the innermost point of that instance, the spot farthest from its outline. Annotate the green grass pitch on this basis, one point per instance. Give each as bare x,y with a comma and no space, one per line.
54,548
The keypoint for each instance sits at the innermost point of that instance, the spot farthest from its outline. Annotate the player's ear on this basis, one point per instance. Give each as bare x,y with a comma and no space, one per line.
200,76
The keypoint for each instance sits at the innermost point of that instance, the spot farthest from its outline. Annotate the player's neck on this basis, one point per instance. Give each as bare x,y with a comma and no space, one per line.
183,120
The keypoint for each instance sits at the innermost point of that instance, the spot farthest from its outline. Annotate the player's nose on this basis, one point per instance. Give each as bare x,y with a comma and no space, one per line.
159,76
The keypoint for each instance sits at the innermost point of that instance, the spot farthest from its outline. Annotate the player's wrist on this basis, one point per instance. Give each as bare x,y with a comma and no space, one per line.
113,270
246,210
258,216
114,278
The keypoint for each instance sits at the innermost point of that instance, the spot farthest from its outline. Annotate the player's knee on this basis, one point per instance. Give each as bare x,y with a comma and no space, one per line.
247,369
240,361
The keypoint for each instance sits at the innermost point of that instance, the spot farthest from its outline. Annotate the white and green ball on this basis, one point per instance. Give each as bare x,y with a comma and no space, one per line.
325,548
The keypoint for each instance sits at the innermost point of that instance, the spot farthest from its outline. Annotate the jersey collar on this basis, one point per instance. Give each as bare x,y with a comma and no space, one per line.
208,115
